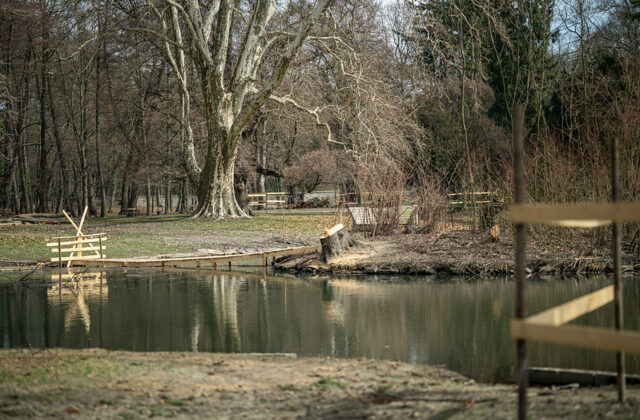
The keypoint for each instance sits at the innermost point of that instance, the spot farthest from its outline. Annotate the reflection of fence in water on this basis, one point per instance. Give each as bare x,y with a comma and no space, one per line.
75,287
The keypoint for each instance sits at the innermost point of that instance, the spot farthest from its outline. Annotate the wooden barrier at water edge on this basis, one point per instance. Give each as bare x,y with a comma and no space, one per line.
550,325
212,260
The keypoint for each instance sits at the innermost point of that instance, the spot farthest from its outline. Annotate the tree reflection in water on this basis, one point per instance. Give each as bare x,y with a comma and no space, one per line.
457,322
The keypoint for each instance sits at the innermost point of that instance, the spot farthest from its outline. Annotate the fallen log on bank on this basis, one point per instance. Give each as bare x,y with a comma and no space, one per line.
335,240
35,219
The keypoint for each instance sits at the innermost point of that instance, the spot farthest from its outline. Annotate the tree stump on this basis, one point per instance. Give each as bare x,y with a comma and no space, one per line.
335,240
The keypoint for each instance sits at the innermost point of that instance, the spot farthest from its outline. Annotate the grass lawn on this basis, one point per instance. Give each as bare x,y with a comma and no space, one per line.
152,235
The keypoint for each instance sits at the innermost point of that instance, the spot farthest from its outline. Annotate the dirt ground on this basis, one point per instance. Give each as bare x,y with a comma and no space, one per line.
96,383
464,252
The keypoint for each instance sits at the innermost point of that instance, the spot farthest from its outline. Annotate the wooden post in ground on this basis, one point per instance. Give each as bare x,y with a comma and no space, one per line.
59,254
617,264
520,239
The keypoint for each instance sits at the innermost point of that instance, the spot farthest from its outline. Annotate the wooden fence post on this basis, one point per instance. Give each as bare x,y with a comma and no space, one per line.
517,113
617,263
59,254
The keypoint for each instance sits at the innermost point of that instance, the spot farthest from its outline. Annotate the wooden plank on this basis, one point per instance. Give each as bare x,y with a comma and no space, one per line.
89,235
575,215
76,258
211,259
82,241
70,220
571,335
571,310
86,248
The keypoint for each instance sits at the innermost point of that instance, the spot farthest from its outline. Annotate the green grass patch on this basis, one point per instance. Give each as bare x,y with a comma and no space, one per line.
152,235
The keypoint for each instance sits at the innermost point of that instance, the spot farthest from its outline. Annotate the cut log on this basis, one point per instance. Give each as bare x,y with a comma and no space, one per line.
336,240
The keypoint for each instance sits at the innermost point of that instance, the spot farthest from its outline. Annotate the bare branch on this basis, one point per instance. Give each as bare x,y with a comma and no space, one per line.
313,112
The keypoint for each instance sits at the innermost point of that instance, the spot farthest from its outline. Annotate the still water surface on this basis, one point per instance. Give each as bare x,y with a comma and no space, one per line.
456,322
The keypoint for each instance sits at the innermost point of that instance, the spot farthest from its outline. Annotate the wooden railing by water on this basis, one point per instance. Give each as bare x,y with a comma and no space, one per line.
549,326
73,248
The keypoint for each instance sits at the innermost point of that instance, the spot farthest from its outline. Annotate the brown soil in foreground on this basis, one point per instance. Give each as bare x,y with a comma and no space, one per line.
102,384
463,252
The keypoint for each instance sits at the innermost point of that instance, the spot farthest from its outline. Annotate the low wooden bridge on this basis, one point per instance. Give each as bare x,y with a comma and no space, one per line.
212,260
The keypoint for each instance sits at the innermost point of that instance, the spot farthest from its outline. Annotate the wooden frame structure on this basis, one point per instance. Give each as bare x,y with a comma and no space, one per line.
93,243
549,326
79,244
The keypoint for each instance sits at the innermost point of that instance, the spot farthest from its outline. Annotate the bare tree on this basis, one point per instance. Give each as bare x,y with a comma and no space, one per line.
231,96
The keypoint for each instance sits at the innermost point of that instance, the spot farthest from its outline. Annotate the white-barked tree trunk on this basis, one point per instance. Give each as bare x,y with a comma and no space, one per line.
201,31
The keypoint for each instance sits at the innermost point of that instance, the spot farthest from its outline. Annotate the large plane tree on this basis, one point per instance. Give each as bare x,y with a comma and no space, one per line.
233,86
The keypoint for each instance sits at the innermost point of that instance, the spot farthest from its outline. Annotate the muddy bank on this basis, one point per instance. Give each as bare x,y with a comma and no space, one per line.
460,253
102,384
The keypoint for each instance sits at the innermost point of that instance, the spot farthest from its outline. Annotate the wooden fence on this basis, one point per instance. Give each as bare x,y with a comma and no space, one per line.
77,248
270,199
549,326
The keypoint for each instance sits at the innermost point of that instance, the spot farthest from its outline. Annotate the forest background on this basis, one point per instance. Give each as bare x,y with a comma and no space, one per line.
102,101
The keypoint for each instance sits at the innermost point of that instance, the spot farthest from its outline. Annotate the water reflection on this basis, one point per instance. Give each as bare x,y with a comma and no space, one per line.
457,323
73,288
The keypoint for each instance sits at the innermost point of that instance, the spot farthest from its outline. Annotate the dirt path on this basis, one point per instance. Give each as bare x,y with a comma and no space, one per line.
101,384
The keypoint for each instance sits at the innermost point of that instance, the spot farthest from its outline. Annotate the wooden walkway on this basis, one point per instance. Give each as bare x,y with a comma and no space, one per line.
212,260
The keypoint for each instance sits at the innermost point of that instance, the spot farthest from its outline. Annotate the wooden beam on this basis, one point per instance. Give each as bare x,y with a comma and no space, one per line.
571,310
88,248
575,215
81,241
76,258
89,235
70,220
84,216
571,335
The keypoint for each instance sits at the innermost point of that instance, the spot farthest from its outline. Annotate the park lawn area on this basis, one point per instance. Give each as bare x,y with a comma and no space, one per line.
166,234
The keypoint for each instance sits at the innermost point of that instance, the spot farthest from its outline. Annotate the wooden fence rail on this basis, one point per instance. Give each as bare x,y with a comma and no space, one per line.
93,244
549,325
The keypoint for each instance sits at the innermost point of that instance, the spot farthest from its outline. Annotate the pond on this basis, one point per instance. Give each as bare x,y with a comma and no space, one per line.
460,323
